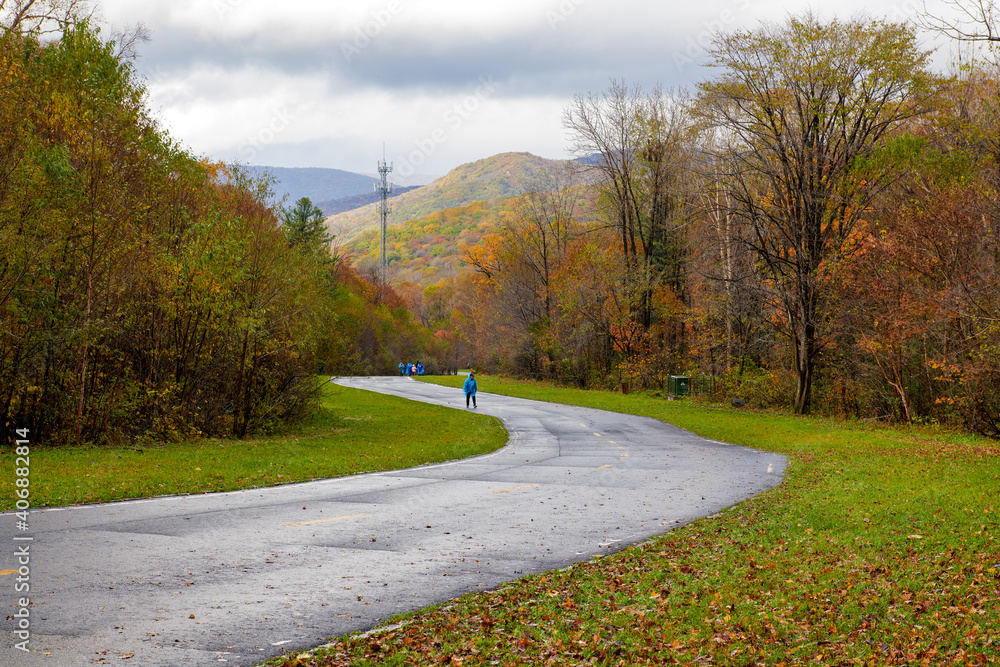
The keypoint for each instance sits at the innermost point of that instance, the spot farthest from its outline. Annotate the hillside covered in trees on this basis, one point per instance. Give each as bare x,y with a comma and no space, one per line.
425,249
491,180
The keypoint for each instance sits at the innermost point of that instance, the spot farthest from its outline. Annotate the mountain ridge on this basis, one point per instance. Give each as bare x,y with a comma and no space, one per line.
489,180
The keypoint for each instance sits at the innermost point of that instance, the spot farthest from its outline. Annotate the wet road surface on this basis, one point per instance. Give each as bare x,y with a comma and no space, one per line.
233,578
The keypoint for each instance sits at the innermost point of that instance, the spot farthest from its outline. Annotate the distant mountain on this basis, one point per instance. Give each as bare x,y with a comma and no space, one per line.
490,180
336,206
592,160
317,183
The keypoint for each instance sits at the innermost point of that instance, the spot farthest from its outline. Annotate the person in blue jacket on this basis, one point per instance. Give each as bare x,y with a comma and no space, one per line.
402,368
470,389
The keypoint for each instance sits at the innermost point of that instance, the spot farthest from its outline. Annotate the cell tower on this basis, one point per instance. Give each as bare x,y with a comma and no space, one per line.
383,188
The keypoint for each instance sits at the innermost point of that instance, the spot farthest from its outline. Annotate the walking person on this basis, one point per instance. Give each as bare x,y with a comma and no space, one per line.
470,389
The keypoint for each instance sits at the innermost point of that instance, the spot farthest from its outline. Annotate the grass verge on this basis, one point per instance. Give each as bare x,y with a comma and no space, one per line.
353,431
879,548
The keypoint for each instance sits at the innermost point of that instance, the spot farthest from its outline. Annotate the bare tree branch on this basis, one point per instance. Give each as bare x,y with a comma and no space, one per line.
127,40
974,21
43,16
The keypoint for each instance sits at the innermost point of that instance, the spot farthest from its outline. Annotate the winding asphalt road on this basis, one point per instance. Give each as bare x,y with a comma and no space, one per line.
233,578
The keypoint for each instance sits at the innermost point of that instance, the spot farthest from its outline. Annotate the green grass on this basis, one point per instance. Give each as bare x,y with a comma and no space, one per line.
354,431
880,547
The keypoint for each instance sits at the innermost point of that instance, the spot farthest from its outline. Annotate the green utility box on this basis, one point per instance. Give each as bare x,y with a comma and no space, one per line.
678,385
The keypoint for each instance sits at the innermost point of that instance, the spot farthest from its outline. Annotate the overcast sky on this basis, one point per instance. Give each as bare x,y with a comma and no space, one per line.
315,83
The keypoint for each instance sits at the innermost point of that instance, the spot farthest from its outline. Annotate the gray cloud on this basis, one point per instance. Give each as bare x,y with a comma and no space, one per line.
337,65
563,56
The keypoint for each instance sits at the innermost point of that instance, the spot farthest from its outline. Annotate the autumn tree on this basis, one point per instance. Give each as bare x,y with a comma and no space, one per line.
516,266
803,104
923,294
919,295
539,233
143,293
638,145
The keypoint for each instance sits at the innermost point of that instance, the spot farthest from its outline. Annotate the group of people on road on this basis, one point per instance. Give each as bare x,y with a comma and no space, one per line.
411,369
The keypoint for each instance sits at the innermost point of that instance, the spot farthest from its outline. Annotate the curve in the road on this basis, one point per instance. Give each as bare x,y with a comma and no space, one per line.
232,578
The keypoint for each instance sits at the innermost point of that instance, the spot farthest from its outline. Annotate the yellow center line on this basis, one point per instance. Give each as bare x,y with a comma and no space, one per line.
516,488
597,434
625,454
3,572
336,518
606,465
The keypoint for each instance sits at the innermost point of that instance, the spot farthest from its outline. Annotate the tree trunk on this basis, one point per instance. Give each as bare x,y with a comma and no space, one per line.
804,345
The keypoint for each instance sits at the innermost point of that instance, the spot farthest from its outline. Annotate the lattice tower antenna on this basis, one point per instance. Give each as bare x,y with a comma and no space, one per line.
383,188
